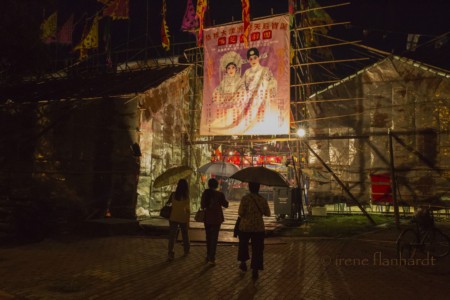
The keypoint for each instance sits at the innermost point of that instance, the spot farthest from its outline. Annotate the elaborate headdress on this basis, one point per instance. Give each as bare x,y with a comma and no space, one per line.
230,57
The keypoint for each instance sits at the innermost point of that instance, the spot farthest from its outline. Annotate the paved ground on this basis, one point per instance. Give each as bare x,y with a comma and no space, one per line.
135,267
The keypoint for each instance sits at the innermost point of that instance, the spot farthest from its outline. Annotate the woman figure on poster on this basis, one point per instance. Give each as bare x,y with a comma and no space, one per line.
251,210
212,201
229,90
230,74
179,217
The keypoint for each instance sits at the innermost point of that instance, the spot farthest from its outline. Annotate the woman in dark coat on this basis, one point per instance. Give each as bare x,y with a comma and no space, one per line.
212,201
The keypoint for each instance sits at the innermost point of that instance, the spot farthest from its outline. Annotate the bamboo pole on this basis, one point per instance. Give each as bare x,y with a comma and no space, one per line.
329,62
321,7
393,180
321,26
326,46
314,83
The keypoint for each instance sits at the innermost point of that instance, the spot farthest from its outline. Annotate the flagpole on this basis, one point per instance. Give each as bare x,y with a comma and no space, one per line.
146,36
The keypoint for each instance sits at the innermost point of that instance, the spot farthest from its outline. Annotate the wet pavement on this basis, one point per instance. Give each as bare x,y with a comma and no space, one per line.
134,266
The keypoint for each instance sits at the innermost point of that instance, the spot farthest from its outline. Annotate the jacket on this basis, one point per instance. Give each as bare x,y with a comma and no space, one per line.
181,210
212,201
251,210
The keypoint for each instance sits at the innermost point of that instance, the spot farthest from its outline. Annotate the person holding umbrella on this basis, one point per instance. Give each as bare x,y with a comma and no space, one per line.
212,201
179,217
251,210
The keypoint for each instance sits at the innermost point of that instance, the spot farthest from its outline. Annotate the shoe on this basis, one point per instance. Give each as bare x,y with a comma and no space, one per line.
171,256
243,266
255,274
212,263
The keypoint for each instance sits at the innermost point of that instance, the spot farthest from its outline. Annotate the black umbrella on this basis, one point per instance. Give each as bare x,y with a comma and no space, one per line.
261,175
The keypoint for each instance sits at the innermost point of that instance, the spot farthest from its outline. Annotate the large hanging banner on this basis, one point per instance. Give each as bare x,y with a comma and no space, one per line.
246,90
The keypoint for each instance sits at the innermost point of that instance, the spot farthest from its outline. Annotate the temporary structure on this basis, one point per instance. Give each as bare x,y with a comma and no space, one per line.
387,124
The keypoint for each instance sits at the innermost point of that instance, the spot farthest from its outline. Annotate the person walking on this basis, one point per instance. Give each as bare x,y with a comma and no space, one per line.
251,210
179,217
212,202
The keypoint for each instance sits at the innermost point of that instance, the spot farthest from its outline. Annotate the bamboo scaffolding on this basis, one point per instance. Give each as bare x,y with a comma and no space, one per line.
329,62
321,7
321,26
327,46
359,45
294,137
314,83
328,100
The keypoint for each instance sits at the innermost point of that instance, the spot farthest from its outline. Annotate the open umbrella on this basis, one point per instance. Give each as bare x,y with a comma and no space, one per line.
172,175
260,175
219,168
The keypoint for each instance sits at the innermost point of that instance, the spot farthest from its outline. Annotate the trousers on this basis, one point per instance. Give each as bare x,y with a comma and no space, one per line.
257,240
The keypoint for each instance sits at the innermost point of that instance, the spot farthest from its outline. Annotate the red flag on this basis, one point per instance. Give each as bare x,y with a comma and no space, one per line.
200,16
189,21
246,20
64,35
116,9
164,29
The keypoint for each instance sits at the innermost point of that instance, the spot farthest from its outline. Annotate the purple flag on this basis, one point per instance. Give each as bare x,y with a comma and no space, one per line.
189,21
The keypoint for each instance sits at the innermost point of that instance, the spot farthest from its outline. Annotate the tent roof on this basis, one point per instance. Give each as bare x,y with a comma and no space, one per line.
415,64
105,85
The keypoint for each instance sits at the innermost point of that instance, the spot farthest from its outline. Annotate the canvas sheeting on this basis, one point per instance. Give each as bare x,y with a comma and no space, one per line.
348,127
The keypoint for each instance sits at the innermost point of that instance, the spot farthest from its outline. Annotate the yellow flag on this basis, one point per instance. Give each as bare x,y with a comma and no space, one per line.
48,28
90,40
165,41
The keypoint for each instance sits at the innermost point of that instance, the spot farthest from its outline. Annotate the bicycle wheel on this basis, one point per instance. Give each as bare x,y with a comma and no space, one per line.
436,243
406,244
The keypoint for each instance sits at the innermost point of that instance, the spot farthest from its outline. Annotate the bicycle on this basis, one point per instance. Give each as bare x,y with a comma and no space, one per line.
425,238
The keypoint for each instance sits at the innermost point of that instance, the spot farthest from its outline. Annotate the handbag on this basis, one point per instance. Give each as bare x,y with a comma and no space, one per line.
200,215
166,209
236,227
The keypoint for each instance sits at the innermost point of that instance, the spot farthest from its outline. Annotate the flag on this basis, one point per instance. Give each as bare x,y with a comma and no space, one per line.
89,40
246,20
164,28
116,9
64,35
189,21
291,13
200,15
48,28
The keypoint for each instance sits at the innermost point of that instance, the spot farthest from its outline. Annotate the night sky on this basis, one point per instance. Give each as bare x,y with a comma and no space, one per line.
383,24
